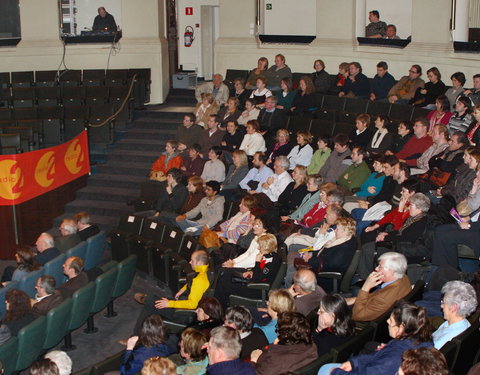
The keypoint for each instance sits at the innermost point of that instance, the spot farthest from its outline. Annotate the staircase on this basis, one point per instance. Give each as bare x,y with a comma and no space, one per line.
128,162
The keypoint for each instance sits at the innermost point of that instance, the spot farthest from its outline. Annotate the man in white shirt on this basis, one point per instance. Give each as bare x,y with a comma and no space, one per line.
276,184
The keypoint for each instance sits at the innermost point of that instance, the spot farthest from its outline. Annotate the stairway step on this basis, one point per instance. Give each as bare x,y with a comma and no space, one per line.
105,193
126,168
134,155
185,92
107,179
99,207
160,125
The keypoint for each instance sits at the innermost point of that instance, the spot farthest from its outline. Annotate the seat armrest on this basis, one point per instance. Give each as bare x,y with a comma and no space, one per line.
330,275
259,286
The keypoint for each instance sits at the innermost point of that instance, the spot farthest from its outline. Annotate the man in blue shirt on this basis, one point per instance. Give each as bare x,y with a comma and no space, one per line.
382,82
259,173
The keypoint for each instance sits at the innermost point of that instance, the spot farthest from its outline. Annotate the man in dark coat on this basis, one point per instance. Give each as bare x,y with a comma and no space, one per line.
47,297
104,21
73,269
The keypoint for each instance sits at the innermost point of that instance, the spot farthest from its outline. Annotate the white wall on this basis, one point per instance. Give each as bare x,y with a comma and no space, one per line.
143,44
336,41
190,58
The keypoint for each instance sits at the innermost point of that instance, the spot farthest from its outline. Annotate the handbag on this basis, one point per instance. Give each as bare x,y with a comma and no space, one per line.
436,177
208,239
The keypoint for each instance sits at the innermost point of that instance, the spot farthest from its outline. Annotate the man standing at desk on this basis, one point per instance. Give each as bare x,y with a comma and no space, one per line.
104,21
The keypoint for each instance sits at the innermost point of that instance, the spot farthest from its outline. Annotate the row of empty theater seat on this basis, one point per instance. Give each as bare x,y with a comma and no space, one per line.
46,332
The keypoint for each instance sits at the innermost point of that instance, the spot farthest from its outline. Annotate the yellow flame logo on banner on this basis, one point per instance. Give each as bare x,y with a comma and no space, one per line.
74,157
45,169
11,180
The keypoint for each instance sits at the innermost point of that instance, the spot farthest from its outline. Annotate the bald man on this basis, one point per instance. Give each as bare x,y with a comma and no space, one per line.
305,291
217,88
46,249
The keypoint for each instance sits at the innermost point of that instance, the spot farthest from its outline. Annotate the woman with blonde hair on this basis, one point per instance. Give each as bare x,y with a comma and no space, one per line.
279,301
193,352
294,193
169,159
236,172
205,108
159,366
267,263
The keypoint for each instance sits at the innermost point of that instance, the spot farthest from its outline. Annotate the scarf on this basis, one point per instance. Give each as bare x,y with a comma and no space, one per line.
410,221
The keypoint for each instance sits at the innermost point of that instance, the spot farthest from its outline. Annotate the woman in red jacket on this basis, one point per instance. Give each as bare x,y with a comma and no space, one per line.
169,159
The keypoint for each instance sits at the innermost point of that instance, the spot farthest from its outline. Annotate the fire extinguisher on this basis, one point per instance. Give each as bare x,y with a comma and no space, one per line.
188,36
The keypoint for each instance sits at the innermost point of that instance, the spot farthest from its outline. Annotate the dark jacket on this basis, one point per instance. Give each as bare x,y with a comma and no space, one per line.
409,234
231,117
399,142
189,136
385,361
206,141
232,180
434,90
64,243
47,255
385,144
193,167
255,340
360,88
326,340
233,367
88,232
132,360
271,121
460,186
233,141
172,202
45,305
337,258
322,81
304,104
104,23
363,139
72,285
291,198
279,359
382,85
281,150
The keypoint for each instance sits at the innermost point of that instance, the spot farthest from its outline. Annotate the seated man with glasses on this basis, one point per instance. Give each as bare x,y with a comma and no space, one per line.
387,284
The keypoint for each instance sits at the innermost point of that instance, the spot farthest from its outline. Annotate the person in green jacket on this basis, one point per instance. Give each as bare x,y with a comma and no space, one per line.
320,156
356,174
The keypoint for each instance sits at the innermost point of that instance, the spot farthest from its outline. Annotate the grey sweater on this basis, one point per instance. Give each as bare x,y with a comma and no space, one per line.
211,211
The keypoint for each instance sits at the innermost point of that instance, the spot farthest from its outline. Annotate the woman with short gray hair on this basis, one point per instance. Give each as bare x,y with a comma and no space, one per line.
408,240
459,301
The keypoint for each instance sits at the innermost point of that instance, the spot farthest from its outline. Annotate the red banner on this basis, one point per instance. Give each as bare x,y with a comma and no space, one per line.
28,175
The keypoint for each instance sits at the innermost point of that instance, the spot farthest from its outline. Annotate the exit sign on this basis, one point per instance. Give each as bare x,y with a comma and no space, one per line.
269,6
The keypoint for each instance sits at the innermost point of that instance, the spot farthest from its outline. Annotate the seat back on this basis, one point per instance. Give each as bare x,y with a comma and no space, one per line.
348,275
172,239
104,288
189,245
312,368
110,364
450,352
82,301
57,323
8,355
79,250
353,346
3,292
125,275
152,230
416,293
30,342
54,268
95,248
468,342
10,143
27,283
277,281
333,102
131,224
